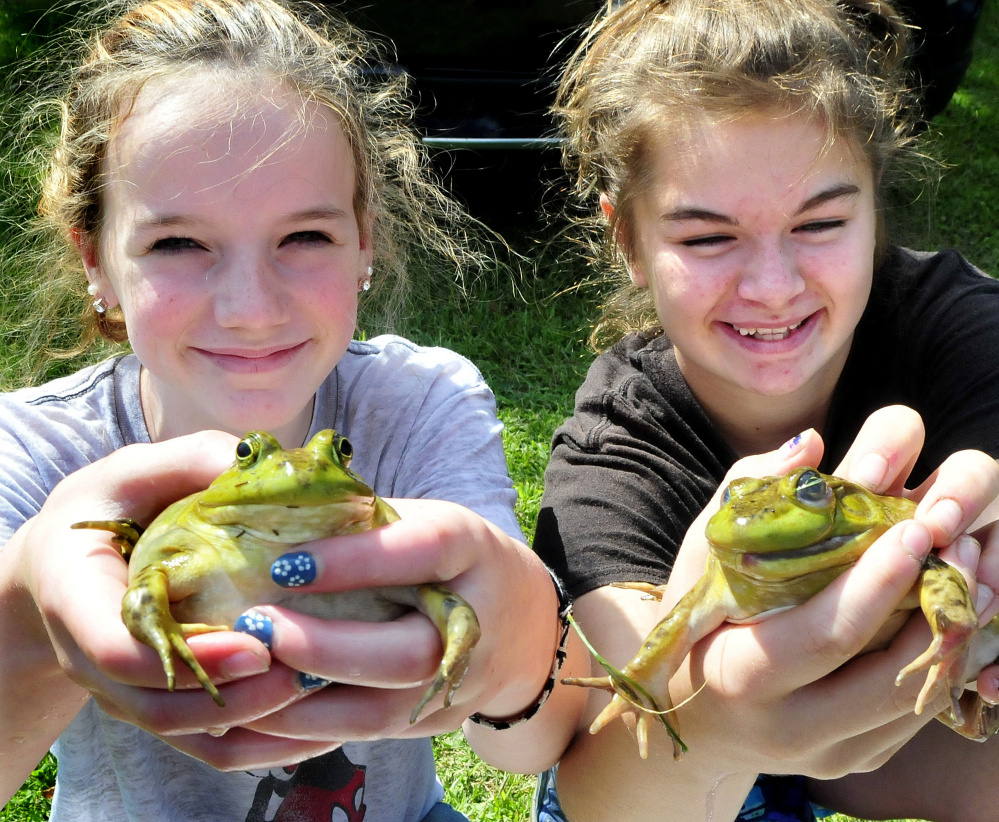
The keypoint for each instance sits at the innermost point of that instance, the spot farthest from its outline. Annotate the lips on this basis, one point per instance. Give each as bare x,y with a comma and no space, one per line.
251,361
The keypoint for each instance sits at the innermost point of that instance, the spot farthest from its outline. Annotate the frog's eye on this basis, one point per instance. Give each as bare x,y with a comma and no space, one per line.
344,450
812,490
247,450
726,495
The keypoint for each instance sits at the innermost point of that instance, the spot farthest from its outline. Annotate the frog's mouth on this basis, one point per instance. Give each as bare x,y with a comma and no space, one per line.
826,546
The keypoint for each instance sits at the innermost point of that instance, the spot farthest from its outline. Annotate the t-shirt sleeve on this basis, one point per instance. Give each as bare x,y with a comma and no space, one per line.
628,474
955,326
424,426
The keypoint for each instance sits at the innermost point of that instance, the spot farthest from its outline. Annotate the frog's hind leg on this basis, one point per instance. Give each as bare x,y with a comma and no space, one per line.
459,630
946,603
145,609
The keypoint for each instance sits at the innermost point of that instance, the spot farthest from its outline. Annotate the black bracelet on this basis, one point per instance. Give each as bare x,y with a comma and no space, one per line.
564,609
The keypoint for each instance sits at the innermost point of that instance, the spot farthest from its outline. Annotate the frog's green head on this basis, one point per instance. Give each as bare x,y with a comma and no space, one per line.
266,474
786,527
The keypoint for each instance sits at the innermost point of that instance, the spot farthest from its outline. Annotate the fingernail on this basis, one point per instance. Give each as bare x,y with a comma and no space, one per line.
217,732
293,570
308,682
793,444
258,625
870,470
985,597
916,540
243,663
968,551
947,514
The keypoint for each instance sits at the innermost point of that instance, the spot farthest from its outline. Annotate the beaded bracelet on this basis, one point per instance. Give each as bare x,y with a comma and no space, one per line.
564,609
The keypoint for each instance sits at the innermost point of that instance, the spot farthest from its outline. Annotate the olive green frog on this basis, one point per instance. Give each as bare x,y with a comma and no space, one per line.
206,558
774,543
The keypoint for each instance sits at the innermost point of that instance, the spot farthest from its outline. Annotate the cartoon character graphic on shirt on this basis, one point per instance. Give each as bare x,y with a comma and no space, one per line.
329,787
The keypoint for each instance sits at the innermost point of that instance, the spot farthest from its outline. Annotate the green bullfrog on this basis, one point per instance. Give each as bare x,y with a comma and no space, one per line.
774,543
206,558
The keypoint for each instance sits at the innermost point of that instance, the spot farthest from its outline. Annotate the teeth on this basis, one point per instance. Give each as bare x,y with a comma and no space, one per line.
767,334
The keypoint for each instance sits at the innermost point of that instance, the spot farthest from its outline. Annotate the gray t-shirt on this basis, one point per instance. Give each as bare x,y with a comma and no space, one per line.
423,425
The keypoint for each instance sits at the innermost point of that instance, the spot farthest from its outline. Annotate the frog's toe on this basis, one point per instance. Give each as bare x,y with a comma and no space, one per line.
625,704
146,613
944,662
459,629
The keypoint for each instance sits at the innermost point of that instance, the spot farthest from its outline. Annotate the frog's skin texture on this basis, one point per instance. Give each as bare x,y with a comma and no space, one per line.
206,559
776,542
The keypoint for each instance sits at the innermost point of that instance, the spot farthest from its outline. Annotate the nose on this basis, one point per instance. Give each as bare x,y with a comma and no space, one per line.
248,292
771,276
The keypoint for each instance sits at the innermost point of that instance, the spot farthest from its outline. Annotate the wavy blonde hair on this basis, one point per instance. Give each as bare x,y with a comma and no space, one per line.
243,43
650,67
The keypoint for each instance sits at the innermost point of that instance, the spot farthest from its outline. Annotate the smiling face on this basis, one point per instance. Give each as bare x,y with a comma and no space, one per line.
756,241
235,254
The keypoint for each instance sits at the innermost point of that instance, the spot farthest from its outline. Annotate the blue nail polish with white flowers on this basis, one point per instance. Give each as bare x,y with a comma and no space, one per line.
257,625
309,682
294,570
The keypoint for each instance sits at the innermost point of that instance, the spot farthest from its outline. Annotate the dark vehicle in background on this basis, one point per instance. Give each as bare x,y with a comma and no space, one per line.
485,71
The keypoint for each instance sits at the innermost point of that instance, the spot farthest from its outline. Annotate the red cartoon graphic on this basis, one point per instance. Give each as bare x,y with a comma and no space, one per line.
329,787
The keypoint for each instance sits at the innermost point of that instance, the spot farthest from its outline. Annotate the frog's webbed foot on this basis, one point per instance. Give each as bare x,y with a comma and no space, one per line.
630,698
980,719
459,630
145,609
126,532
947,605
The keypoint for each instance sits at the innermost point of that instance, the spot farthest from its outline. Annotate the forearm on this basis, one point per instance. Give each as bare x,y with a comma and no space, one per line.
536,745
37,699
602,777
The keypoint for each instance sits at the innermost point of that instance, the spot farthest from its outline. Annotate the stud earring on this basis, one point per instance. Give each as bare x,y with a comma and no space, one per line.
366,281
99,305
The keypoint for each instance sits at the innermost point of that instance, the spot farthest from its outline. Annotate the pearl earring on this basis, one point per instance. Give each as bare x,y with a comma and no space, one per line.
99,305
366,282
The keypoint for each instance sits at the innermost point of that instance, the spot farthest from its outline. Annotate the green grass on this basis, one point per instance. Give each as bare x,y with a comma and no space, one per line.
531,349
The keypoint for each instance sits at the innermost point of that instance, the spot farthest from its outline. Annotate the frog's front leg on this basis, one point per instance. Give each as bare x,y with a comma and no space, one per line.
145,610
642,687
947,606
459,630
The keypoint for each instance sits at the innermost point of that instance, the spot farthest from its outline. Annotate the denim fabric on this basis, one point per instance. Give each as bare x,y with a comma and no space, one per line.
442,812
546,807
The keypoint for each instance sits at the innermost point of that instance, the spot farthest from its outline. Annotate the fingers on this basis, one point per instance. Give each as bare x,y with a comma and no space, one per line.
241,749
885,450
434,541
816,637
956,495
403,653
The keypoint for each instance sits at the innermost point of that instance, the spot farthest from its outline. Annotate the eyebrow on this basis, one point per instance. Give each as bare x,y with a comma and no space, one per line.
687,213
320,213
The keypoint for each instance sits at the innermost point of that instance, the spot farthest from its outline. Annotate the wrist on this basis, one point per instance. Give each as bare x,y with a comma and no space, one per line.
564,608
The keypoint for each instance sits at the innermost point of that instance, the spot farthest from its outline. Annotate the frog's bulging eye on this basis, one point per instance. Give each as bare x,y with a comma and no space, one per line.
246,451
726,495
344,449
812,490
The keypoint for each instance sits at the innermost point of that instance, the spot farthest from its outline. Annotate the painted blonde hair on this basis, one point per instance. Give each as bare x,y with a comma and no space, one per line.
650,67
314,54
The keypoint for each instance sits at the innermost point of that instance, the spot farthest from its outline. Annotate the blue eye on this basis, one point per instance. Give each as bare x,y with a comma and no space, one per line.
812,490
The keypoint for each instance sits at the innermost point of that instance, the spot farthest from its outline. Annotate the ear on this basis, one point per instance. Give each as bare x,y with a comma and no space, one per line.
87,246
635,269
367,246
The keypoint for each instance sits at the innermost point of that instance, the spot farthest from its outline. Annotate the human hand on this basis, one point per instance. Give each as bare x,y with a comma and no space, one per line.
951,500
76,579
381,670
